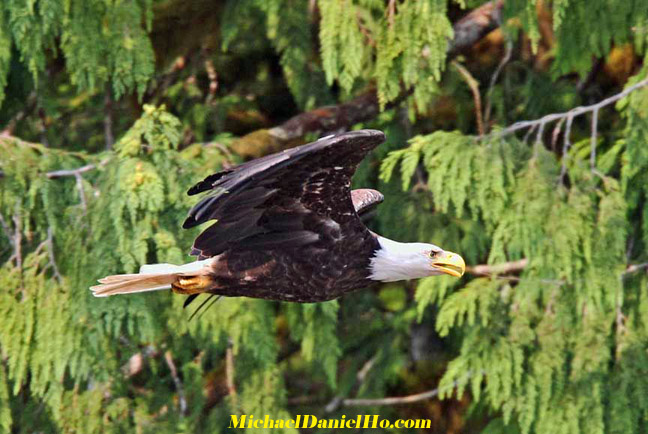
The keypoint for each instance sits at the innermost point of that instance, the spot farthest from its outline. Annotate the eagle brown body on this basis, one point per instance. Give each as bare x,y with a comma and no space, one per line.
307,274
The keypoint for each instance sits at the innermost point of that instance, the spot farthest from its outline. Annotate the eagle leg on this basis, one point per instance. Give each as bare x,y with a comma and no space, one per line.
192,284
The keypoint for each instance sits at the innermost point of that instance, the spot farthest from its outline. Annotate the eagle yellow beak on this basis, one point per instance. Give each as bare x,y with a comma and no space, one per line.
449,263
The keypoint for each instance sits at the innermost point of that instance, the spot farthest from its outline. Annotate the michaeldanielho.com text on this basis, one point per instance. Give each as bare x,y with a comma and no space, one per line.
310,421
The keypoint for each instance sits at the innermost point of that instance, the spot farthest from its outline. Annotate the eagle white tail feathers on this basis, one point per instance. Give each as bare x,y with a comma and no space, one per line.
152,277
131,283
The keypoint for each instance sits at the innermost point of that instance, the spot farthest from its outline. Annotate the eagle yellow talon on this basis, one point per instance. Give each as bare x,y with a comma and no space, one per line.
191,285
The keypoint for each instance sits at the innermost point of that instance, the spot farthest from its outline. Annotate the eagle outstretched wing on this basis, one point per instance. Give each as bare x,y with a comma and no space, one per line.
293,198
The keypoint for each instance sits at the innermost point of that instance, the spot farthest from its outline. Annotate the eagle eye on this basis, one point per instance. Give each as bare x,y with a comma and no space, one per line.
433,254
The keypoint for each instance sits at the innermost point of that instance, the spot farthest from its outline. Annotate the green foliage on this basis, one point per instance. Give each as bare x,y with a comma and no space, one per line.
5,409
635,158
343,45
5,56
409,43
101,41
559,346
132,199
319,341
287,24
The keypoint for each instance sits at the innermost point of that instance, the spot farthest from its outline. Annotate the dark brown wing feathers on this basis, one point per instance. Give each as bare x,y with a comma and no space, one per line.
288,199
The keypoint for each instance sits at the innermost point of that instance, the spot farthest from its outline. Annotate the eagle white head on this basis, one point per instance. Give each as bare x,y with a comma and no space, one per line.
401,261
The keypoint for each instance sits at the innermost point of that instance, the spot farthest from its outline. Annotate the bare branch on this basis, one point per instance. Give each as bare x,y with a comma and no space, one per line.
593,140
391,13
135,363
16,242
620,318
475,26
576,111
634,268
229,373
42,125
566,146
528,133
409,399
52,259
538,141
508,51
65,172
549,309
213,80
503,268
108,119
630,246
71,172
338,401
395,400
365,32
6,230
556,133
227,154
519,265
79,184
17,239
474,88
182,400
30,106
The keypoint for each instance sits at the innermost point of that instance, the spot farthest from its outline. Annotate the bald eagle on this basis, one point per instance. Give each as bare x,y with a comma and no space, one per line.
288,227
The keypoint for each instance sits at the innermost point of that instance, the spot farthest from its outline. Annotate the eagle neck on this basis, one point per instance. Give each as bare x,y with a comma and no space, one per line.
395,261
